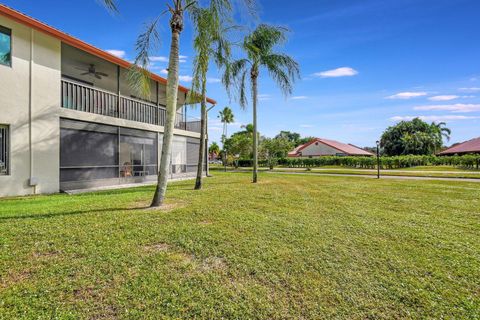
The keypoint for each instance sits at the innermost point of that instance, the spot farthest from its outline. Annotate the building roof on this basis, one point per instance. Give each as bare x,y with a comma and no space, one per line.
74,42
348,149
470,146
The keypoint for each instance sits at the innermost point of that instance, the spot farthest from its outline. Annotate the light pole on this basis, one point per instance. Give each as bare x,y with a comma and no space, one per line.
378,159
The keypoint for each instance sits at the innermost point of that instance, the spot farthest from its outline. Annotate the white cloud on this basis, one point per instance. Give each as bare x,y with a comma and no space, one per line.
185,78
457,108
443,98
181,59
117,53
335,73
158,59
306,126
407,95
298,98
432,118
469,89
264,97
214,80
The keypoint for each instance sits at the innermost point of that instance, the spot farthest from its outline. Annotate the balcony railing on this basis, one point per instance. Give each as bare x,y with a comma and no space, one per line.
81,97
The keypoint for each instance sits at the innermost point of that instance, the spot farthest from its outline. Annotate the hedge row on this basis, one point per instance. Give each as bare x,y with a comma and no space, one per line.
466,161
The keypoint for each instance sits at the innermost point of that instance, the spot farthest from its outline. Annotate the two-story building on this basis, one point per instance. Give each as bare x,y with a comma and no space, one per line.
69,119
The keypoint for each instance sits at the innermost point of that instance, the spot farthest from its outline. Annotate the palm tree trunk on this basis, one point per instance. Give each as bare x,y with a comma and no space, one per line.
172,93
255,138
203,133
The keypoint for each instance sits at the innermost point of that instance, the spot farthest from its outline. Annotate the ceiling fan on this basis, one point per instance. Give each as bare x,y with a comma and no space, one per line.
92,71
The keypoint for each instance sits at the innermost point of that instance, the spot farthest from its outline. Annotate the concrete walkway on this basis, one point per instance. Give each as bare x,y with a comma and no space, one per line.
122,186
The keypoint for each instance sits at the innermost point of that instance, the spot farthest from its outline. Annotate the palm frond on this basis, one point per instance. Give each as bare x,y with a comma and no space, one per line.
283,69
111,5
243,90
139,81
264,38
147,42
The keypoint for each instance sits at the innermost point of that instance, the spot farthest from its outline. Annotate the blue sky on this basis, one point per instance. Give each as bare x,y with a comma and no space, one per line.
365,64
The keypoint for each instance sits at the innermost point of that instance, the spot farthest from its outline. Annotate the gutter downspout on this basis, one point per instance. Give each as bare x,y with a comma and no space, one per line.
32,181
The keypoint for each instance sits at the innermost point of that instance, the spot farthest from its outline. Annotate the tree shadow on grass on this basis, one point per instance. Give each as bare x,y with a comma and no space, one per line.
67,213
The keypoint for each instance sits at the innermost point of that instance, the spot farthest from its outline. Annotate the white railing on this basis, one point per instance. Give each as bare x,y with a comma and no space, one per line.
81,97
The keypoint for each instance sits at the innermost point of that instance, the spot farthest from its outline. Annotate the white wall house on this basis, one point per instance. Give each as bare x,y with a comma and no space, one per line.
324,147
68,118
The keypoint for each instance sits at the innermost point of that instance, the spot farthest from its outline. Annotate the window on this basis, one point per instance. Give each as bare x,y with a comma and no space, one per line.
5,46
4,149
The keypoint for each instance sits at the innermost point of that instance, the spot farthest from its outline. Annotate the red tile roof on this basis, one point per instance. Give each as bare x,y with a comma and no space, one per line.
74,42
470,146
347,149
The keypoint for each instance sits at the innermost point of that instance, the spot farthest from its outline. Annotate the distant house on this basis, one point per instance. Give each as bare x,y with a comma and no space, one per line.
470,146
324,147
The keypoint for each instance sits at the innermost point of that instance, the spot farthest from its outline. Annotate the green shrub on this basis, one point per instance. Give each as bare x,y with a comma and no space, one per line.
397,162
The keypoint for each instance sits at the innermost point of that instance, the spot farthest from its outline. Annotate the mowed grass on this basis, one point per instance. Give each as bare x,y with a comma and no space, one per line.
421,171
289,247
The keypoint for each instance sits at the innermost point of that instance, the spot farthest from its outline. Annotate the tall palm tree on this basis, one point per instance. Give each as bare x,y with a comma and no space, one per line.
259,48
146,43
226,117
209,43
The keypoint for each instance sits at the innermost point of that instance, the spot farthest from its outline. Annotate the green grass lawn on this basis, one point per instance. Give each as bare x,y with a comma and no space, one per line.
422,171
396,173
289,247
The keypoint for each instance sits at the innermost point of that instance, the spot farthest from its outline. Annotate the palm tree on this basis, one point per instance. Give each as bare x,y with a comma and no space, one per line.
139,76
258,47
226,117
209,43
214,149
440,131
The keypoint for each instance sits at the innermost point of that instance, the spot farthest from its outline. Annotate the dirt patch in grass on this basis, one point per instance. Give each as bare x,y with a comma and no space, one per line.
205,223
157,247
101,309
13,278
164,207
46,254
213,264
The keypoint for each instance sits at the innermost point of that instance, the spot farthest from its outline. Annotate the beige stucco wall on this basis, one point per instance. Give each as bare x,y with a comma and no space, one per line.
319,150
14,111
40,158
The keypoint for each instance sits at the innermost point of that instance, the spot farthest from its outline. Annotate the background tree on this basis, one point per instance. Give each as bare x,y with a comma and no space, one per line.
214,149
304,140
414,137
442,133
290,136
241,143
258,48
209,43
273,149
226,117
